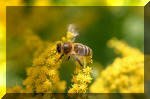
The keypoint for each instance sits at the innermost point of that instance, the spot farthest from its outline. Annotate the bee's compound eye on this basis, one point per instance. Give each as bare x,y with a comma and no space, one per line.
58,47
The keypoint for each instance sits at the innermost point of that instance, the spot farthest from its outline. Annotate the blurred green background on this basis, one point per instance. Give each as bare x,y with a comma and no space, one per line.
95,25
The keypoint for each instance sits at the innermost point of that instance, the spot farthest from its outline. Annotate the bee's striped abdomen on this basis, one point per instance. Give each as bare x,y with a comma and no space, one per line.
82,50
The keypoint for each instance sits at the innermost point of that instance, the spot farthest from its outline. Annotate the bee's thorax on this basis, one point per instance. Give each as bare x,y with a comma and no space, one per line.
67,47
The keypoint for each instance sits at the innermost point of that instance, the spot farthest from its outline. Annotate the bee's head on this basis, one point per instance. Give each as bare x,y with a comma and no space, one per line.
59,47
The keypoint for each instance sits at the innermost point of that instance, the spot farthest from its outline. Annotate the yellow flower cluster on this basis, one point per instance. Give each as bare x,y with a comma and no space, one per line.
125,75
122,48
43,76
81,79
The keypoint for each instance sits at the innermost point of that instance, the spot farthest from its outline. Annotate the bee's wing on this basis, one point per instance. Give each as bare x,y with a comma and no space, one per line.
71,29
73,40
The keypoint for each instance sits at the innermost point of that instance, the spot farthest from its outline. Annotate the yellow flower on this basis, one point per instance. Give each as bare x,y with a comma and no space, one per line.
80,77
70,35
47,84
87,70
87,79
72,91
83,87
75,86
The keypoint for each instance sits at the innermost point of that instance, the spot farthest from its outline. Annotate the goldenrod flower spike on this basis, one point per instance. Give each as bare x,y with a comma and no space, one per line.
43,75
81,79
125,75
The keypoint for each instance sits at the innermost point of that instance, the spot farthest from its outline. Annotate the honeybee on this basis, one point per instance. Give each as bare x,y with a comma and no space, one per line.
73,49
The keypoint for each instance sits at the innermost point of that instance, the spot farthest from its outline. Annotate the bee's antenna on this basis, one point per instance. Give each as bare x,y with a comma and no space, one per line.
60,57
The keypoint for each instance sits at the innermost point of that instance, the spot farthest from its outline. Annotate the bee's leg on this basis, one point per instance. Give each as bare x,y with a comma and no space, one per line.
78,60
68,58
60,57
